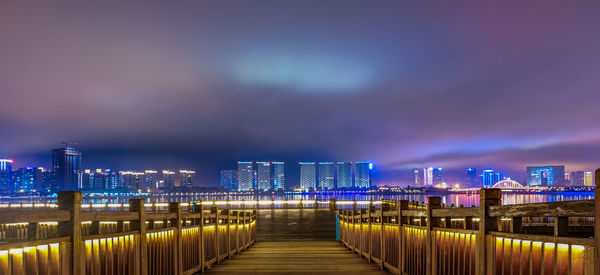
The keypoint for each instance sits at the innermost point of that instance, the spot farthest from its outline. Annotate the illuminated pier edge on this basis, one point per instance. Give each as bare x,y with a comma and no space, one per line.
439,240
103,251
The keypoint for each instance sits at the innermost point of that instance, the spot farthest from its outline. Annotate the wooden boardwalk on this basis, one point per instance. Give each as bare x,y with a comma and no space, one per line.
297,257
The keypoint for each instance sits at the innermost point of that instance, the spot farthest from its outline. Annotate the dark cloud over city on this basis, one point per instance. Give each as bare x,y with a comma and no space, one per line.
202,84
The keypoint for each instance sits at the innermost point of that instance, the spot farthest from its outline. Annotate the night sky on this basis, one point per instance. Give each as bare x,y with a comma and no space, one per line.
202,84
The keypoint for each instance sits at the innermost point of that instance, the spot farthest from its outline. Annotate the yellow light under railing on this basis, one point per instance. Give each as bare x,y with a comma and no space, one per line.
265,202
108,222
18,223
220,202
48,223
114,205
15,251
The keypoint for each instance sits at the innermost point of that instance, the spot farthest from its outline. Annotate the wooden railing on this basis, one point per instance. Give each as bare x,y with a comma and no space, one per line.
69,239
538,239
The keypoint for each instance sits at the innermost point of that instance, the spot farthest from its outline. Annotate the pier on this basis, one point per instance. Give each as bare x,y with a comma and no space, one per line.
367,237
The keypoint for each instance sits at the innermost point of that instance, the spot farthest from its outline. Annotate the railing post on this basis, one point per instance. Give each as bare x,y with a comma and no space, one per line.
301,205
316,204
487,197
137,205
432,203
597,224
332,204
371,211
198,209
384,207
175,207
402,205
215,211
71,201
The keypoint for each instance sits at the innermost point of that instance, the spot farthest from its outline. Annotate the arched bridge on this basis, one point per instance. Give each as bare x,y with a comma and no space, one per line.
508,184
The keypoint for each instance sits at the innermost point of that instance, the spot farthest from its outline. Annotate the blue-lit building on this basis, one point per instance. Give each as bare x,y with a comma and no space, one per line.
27,179
263,176
545,175
326,176
6,182
344,175
437,176
229,180
489,177
308,176
363,174
245,176
278,175
471,177
66,164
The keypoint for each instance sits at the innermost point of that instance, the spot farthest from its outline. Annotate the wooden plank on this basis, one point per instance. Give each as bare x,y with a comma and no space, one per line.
456,212
34,215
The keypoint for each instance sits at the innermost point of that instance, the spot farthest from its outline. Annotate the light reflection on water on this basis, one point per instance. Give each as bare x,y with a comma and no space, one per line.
465,200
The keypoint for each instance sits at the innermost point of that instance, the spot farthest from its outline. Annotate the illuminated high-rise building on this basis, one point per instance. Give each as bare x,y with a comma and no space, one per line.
6,175
437,176
66,164
278,175
132,180
27,178
578,178
151,179
589,179
263,175
308,176
186,178
229,180
418,177
167,179
113,181
326,176
428,177
344,175
489,178
471,177
363,174
245,176
545,175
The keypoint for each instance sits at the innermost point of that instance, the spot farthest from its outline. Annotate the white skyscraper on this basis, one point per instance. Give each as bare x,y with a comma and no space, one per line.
363,174
326,176
428,176
344,175
245,175
278,175
263,175
308,176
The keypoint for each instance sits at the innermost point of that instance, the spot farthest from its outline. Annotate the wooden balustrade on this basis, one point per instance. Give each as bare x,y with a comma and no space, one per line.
409,238
67,240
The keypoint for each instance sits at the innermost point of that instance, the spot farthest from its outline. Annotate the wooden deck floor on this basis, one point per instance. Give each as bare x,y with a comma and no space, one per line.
297,257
